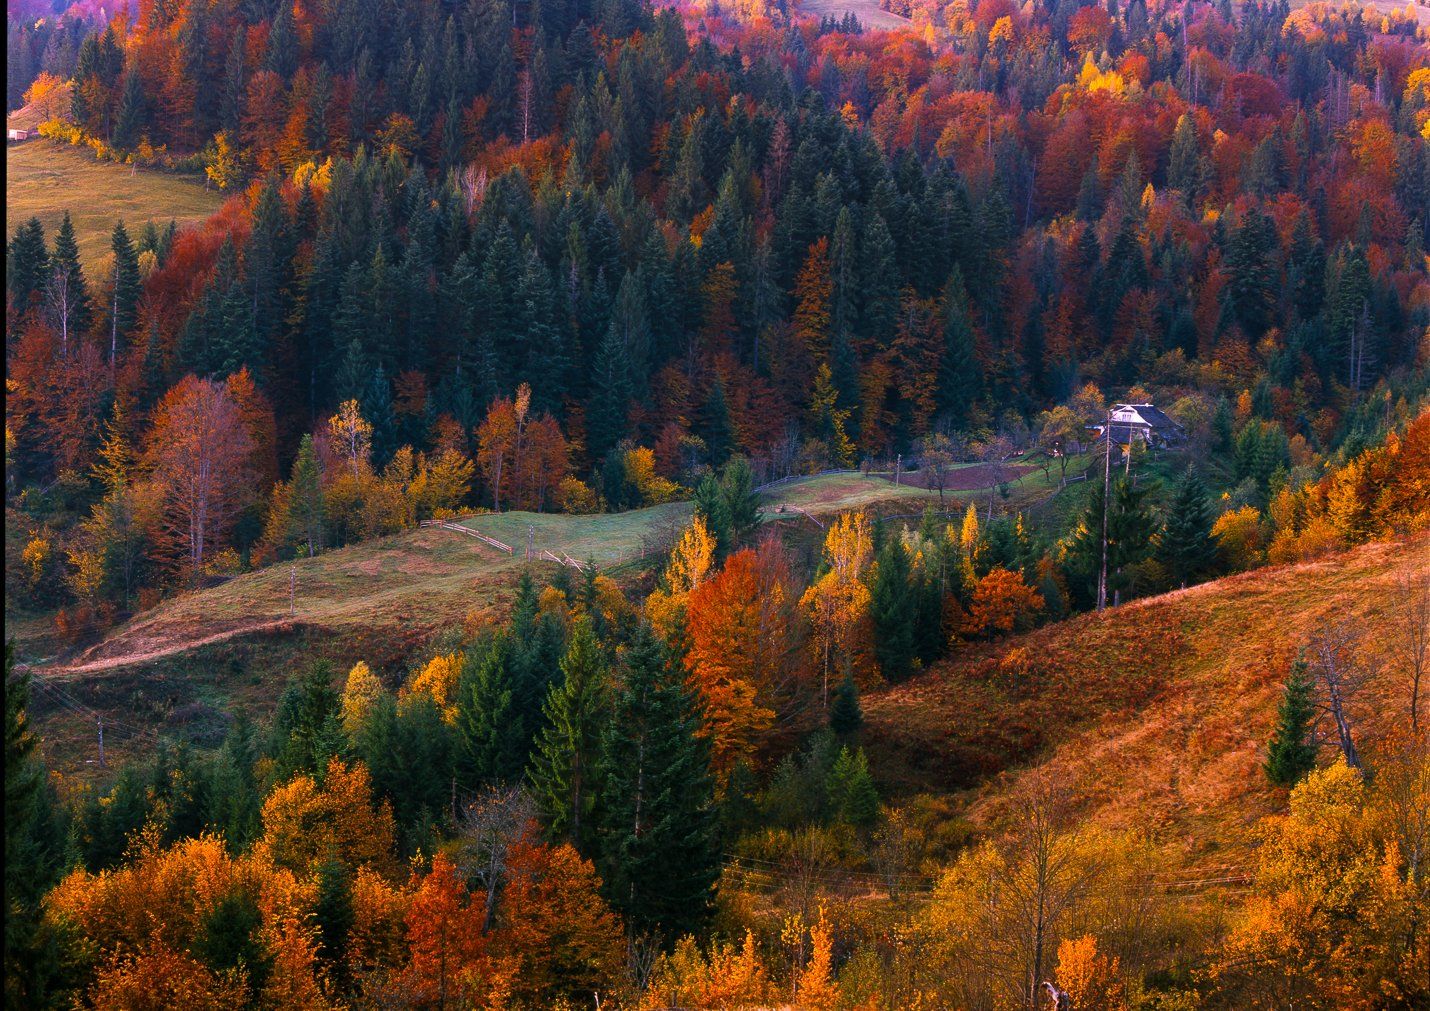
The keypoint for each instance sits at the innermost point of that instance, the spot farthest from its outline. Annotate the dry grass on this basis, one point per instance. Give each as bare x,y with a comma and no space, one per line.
1155,716
45,178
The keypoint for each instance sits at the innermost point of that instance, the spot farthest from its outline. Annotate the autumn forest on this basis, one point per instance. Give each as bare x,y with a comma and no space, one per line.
736,505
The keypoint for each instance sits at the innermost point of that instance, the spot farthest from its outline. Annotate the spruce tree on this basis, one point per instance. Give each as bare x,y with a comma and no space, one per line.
564,766
715,424
959,383
27,267
611,391
489,732
714,509
742,502
307,728
658,850
1186,547
305,500
123,308
69,295
1291,753
852,796
892,605
845,714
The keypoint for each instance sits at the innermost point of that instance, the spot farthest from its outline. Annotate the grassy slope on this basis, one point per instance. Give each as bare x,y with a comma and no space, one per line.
1155,715
44,179
178,667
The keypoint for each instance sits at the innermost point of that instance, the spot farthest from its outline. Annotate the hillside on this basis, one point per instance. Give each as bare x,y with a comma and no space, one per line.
44,178
184,664
1155,715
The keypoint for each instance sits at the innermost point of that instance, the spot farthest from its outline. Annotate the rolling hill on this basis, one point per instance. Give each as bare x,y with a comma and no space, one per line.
1154,715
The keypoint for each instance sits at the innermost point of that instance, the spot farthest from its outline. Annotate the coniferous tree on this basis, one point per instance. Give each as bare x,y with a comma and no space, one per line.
892,606
305,500
27,267
66,289
658,849
564,766
123,307
959,379
715,424
852,796
1292,753
489,731
714,510
307,728
1186,546
610,394
34,855
845,714
742,502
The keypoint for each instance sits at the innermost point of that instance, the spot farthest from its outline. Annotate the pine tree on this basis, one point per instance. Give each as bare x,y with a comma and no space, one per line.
845,714
611,392
892,606
959,379
27,269
124,295
564,766
852,796
305,500
307,728
68,294
1186,546
713,509
659,855
742,502
715,424
1292,753
130,118
489,732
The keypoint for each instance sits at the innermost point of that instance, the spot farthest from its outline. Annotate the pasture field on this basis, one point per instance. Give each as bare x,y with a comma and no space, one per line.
44,178
1156,713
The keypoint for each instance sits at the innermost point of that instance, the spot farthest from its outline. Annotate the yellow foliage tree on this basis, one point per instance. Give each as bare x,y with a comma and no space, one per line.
305,823
438,680
360,692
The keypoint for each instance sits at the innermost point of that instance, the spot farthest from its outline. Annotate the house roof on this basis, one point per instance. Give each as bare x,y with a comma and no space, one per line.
1148,414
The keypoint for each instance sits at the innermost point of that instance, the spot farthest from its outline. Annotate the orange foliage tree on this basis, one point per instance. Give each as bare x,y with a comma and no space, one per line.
199,451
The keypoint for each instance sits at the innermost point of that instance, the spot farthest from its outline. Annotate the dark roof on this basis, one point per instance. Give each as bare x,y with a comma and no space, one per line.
1154,416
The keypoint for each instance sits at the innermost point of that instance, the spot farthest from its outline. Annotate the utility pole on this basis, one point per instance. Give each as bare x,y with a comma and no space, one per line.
1106,484
293,589
530,542
101,742
898,468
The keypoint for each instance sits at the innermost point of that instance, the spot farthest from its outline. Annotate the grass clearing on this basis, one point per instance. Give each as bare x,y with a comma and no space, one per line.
1155,715
44,178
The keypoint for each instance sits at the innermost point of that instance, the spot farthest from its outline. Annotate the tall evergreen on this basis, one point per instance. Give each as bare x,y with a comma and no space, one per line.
610,395
123,307
27,266
714,509
307,728
1186,547
1292,753
893,607
564,766
742,502
959,378
845,713
658,850
69,294
305,500
489,731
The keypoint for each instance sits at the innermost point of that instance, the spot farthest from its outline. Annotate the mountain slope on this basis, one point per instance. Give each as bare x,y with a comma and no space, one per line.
1155,715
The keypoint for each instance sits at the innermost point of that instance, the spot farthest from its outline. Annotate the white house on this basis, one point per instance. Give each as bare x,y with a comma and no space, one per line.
1141,423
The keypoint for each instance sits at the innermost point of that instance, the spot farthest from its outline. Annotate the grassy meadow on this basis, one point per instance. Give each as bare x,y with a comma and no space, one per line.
44,178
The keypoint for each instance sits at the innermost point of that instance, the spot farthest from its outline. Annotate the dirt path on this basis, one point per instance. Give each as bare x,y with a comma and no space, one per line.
964,478
157,649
